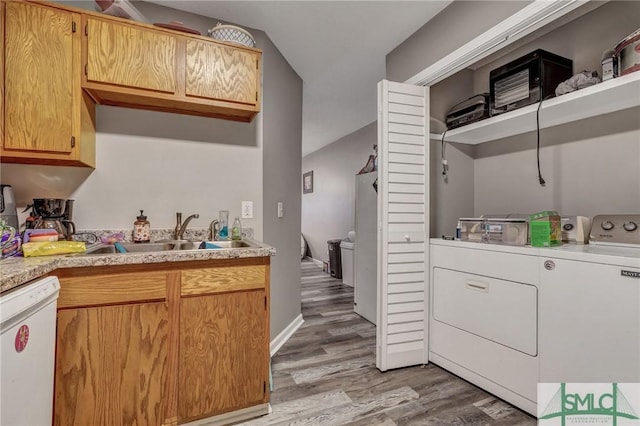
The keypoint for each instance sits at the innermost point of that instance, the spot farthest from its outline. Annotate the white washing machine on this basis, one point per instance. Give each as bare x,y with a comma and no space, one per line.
593,291
27,353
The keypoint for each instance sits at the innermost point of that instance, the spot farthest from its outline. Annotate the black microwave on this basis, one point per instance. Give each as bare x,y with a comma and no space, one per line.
527,80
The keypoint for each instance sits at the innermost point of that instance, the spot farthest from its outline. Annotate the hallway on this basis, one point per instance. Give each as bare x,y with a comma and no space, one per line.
326,375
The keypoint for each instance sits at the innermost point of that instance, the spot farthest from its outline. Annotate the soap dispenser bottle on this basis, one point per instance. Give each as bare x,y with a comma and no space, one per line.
236,229
141,229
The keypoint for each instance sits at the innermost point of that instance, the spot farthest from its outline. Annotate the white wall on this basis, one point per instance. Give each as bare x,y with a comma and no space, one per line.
282,149
137,169
590,167
329,212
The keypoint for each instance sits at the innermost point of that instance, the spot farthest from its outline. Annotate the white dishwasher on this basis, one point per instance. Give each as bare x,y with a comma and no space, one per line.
27,353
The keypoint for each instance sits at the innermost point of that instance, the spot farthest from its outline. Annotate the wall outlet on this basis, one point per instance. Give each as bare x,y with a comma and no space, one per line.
280,209
247,209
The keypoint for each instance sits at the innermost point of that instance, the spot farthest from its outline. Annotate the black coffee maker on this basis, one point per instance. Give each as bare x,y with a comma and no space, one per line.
54,214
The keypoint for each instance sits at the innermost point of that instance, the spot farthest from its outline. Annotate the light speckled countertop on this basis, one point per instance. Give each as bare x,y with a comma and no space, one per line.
16,271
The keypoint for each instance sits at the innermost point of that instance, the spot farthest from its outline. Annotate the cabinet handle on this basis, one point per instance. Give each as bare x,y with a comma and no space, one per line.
73,141
478,286
73,27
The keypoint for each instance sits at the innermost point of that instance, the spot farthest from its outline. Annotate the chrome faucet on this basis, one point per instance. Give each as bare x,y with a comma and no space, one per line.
182,226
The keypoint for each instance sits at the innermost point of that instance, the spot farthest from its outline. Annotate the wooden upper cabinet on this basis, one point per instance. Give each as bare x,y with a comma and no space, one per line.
136,65
216,71
47,119
130,56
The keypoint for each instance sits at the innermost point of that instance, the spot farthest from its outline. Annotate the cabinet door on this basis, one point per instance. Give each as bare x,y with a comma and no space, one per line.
224,355
39,89
219,72
130,56
110,363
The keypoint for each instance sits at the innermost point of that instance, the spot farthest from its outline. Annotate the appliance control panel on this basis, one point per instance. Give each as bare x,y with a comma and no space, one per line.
615,229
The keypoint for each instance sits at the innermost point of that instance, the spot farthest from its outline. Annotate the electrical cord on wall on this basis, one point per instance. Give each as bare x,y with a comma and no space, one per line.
445,165
540,178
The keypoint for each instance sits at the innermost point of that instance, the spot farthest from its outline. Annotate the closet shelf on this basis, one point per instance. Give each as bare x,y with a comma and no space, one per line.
609,96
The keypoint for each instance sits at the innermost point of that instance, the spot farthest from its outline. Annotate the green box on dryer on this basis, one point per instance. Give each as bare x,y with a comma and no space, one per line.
545,229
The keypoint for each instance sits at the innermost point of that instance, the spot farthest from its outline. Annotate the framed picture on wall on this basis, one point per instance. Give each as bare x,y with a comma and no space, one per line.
307,182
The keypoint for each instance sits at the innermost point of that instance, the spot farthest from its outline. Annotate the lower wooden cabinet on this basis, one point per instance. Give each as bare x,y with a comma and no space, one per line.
161,345
222,354
110,365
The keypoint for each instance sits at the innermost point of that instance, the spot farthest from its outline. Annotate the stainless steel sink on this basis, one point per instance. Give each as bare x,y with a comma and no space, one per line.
218,245
168,245
209,245
100,249
136,248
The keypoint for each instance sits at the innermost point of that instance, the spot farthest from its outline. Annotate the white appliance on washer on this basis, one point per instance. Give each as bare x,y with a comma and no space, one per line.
27,353
366,249
593,291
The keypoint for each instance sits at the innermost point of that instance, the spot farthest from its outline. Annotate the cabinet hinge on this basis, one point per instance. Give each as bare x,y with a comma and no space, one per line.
73,27
73,141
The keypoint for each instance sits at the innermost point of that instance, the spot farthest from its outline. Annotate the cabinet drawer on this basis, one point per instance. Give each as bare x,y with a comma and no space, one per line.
112,289
502,311
221,280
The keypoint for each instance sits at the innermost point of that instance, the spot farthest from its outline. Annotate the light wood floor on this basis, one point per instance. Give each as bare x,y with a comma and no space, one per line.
326,375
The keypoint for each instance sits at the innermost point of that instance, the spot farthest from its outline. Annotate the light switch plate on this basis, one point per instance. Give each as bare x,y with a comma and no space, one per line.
280,209
247,209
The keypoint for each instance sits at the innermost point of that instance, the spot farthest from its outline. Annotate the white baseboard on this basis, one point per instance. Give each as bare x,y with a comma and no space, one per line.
285,334
234,416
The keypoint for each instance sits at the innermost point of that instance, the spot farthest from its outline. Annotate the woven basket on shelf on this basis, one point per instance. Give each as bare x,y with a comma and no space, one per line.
232,34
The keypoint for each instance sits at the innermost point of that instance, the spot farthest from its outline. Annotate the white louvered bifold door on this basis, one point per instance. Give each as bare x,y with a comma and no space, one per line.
403,224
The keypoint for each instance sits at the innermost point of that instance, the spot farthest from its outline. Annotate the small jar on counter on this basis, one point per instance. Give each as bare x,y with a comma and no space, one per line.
141,229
